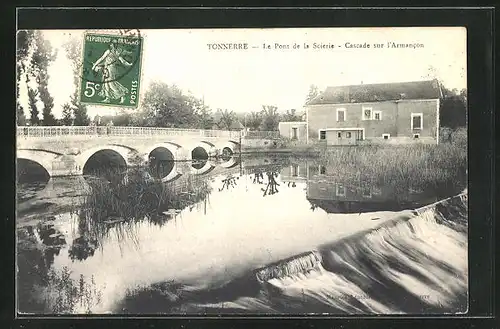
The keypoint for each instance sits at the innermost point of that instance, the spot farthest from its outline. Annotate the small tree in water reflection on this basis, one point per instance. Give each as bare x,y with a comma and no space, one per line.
229,181
272,185
63,295
271,174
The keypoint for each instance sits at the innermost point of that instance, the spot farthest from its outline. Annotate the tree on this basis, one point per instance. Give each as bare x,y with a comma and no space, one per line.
167,106
32,103
453,108
313,93
73,52
20,116
67,115
291,115
43,55
205,118
224,119
24,39
453,103
254,120
270,118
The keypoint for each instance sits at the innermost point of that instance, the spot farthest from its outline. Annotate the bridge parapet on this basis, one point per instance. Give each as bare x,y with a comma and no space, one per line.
58,131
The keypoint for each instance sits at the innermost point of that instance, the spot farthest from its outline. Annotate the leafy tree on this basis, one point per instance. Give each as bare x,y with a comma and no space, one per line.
32,103
73,52
270,118
224,119
121,119
24,39
67,115
313,92
204,116
20,117
453,103
453,108
42,56
254,120
167,106
291,115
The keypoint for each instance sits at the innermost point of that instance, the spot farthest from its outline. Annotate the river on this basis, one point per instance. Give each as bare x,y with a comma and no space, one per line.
271,234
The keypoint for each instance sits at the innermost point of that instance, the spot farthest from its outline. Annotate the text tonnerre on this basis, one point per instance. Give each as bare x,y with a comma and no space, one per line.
227,46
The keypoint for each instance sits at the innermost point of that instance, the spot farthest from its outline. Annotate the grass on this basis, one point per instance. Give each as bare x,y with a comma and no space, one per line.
138,196
63,295
127,200
409,166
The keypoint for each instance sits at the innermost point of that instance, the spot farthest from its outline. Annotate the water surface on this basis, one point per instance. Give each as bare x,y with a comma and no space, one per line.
252,212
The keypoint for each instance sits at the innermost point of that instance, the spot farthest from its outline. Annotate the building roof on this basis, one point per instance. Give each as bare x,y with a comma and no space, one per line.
236,125
429,89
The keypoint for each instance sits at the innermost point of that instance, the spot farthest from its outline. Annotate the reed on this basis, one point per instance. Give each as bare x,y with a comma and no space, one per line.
414,166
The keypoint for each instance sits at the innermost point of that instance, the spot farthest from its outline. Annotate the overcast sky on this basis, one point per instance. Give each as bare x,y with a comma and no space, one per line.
245,80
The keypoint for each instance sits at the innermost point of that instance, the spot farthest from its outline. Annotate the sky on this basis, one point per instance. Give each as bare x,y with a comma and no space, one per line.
244,80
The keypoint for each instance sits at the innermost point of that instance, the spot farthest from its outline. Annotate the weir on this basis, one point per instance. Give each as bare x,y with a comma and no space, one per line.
344,256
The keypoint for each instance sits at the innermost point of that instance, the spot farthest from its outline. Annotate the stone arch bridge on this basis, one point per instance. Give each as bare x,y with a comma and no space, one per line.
66,151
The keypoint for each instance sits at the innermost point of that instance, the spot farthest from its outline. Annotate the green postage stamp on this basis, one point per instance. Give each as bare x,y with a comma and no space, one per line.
111,69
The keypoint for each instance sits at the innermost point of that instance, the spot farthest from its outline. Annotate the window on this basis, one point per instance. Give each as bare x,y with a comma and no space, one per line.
416,121
348,134
367,113
386,136
367,193
340,190
295,170
322,170
322,134
339,134
294,133
340,115
377,115
416,136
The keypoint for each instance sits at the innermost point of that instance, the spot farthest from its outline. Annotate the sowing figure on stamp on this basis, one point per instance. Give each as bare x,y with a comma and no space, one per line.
108,64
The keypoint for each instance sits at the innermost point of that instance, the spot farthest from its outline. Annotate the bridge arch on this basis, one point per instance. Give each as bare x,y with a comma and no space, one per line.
229,148
203,150
231,163
43,158
202,167
161,158
108,156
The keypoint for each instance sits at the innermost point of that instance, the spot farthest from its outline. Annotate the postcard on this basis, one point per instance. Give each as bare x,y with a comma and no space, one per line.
242,171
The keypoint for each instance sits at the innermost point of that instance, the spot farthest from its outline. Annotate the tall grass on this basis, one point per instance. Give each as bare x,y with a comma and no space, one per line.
408,166
63,295
123,201
138,196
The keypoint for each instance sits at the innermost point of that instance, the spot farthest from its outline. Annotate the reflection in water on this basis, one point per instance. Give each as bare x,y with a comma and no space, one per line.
161,168
272,184
229,181
118,207
165,245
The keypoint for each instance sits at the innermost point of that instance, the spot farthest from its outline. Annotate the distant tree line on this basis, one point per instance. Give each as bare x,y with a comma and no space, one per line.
166,105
